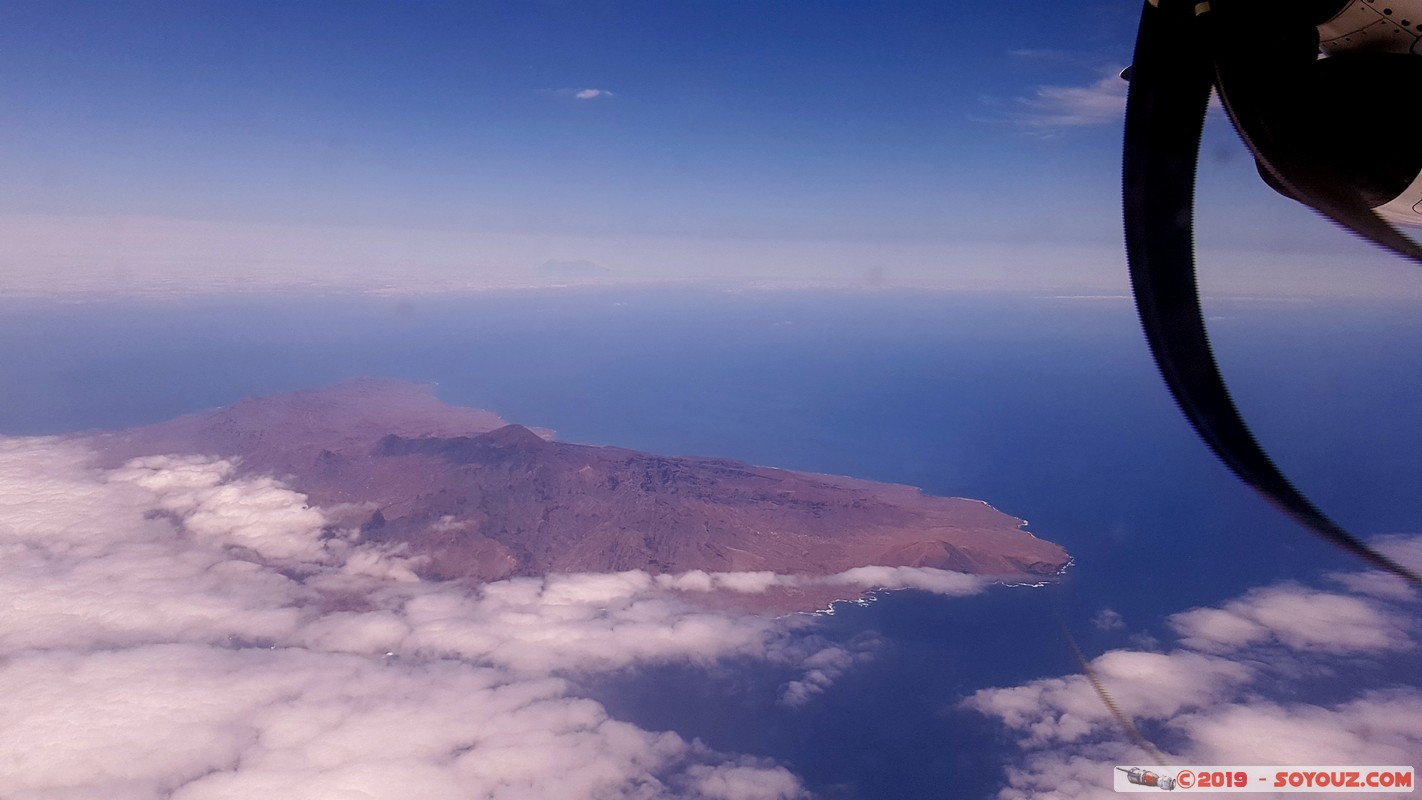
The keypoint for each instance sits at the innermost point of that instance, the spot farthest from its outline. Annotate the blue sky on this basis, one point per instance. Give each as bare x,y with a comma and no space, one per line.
955,144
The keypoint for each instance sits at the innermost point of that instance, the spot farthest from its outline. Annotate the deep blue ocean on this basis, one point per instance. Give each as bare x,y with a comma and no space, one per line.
1048,408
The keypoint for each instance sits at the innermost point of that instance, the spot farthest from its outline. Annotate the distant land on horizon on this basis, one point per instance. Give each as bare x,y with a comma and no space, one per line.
553,268
483,499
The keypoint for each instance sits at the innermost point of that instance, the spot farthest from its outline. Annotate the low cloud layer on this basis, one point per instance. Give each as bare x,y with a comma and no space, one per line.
938,581
170,629
1236,689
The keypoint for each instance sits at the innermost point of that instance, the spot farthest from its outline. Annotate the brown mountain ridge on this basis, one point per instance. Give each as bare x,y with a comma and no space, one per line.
484,499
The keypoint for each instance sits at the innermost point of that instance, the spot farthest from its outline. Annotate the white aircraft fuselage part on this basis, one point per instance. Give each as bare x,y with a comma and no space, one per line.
1381,26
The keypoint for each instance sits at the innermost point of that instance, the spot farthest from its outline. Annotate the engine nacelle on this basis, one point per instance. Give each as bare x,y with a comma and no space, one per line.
1380,26
1392,27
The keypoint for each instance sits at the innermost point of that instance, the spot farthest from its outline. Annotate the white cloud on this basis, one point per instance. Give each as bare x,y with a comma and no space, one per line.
168,629
1232,697
1376,728
87,564
1384,586
1108,619
584,94
1406,550
741,783
204,723
930,580
537,625
821,670
1147,685
937,581
1297,617
1053,108
1102,102
256,513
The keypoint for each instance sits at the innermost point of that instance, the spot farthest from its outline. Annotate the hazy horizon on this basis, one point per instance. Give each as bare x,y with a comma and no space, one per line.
163,148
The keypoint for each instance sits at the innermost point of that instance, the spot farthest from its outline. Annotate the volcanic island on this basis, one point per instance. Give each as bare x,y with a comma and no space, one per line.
476,498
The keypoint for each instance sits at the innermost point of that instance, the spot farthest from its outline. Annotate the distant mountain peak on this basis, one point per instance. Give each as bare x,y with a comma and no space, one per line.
513,436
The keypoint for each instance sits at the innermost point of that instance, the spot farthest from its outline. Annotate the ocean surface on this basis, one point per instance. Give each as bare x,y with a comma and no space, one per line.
1048,408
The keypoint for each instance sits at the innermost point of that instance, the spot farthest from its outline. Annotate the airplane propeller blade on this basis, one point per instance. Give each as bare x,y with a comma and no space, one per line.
1171,77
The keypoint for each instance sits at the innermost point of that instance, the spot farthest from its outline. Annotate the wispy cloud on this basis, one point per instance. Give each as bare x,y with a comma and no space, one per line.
585,93
1298,617
1229,692
1108,619
1046,54
1054,108
1102,102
